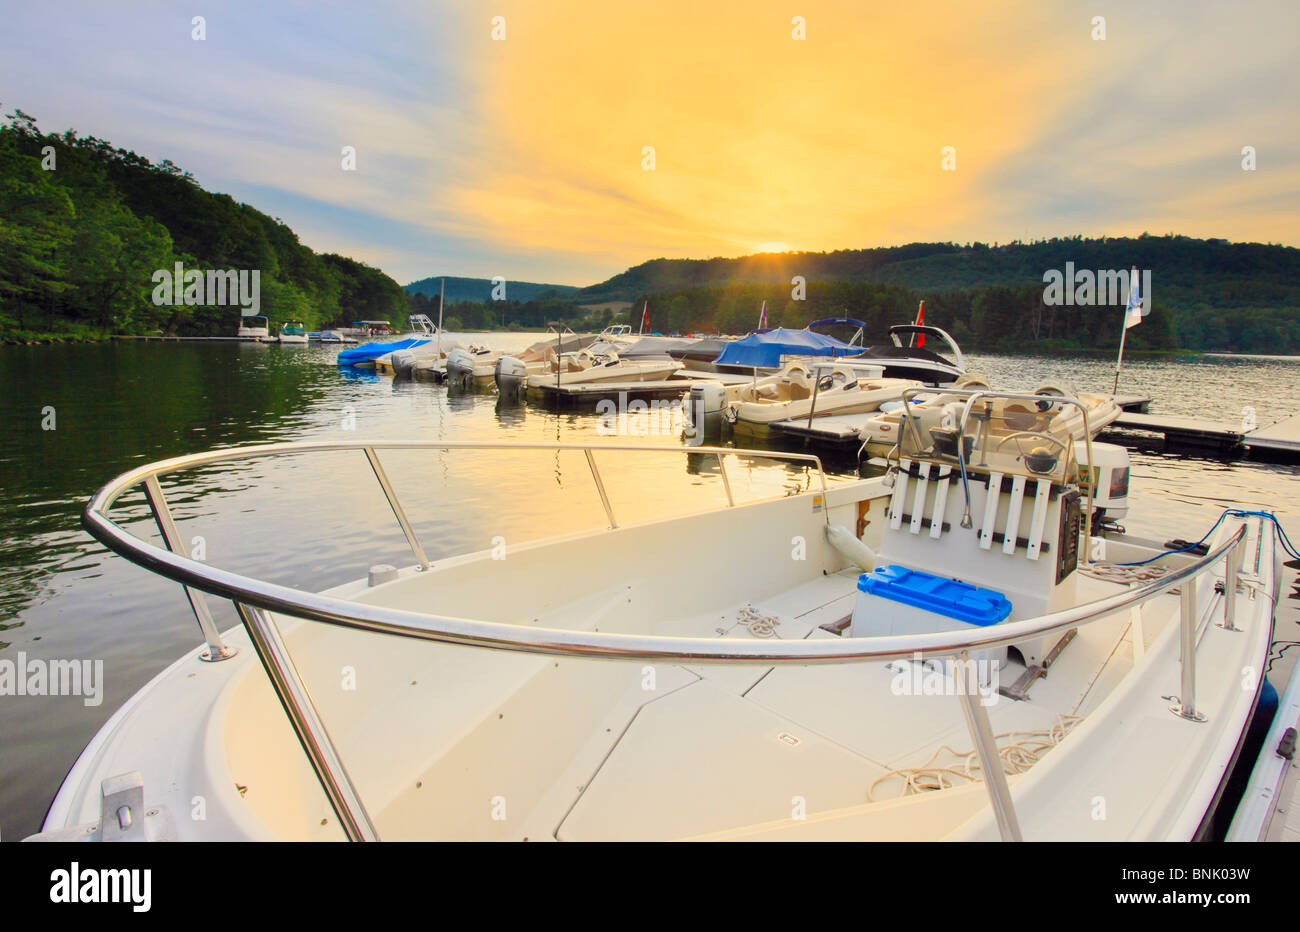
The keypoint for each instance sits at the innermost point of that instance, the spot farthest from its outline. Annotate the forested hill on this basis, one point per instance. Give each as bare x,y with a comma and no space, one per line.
1208,294
479,290
84,227
1215,271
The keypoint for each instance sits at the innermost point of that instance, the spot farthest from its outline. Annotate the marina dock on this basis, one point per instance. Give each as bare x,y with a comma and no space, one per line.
592,392
841,430
1280,440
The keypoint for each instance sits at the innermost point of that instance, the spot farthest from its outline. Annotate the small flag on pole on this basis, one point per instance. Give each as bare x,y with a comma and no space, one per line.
1133,313
920,319
645,316
762,317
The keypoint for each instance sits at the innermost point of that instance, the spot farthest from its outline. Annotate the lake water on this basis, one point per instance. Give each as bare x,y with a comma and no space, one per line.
314,521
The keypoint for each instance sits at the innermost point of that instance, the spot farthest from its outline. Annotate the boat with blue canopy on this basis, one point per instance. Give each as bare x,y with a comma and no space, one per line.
422,331
768,349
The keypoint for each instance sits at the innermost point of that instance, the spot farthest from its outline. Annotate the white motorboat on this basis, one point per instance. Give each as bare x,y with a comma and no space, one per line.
594,365
806,389
253,328
881,433
293,331
472,366
882,681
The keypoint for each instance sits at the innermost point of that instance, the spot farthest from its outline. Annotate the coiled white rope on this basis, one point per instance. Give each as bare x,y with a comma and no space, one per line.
1017,757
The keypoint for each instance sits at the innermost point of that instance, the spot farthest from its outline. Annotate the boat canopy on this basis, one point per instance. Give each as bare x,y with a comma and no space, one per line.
766,349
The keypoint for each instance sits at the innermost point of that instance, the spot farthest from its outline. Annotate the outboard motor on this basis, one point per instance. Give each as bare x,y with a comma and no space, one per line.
511,376
460,367
707,404
1111,472
403,362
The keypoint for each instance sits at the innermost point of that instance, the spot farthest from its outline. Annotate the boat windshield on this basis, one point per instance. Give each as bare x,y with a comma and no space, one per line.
1010,436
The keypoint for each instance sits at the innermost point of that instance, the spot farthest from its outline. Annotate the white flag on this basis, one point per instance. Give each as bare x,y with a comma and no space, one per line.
1133,313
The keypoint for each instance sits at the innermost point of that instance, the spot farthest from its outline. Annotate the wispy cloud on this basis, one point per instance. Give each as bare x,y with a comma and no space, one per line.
523,157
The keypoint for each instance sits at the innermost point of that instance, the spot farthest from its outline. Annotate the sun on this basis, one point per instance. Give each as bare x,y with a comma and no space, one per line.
772,247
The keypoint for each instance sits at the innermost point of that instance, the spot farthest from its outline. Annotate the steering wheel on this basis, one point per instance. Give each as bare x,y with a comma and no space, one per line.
1029,433
1044,406
830,380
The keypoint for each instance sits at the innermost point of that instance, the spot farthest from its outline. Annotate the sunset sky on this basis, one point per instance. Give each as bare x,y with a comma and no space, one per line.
523,157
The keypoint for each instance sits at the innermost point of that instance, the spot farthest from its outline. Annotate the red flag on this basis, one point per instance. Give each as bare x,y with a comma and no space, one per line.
920,319
645,316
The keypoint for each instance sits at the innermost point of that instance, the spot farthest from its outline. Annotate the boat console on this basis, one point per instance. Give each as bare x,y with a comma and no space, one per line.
984,522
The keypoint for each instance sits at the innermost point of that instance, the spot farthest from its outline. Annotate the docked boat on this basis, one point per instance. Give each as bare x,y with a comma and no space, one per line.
888,683
254,328
512,372
880,434
293,331
700,355
766,351
595,365
913,359
471,366
422,332
808,390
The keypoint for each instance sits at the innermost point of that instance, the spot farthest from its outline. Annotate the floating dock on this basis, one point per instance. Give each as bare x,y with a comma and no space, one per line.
592,392
1280,440
841,430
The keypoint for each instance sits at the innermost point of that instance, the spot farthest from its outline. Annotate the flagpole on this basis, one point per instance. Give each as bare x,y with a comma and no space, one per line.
1123,334
1119,360
442,290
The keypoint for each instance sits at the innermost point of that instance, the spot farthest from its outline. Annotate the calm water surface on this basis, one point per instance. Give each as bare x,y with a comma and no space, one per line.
317,520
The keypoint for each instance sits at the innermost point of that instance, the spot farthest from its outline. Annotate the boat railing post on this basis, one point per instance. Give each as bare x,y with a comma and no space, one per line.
162,515
1231,570
1185,707
398,513
600,487
817,381
966,680
726,483
305,718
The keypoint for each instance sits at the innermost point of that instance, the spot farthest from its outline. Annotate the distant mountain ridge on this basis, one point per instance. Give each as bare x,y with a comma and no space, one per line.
1205,272
480,289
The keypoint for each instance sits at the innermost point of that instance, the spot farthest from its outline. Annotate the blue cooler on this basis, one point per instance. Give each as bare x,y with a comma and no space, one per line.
897,600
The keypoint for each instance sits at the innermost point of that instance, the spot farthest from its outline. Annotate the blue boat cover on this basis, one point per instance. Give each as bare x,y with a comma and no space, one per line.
369,351
766,349
949,597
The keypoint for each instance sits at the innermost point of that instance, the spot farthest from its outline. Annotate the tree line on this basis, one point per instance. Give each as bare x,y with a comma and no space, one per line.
84,226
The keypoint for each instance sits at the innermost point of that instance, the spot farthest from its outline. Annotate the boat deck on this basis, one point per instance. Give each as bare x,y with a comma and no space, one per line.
825,734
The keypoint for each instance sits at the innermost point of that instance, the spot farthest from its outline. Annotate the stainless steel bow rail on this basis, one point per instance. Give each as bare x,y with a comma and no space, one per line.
255,599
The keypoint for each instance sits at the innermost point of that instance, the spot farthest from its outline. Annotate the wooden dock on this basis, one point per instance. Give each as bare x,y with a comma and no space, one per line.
1189,434
1282,437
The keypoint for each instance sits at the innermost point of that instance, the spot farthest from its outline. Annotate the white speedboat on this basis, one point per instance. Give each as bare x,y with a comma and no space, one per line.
594,365
807,389
472,366
885,680
253,329
293,331
880,434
